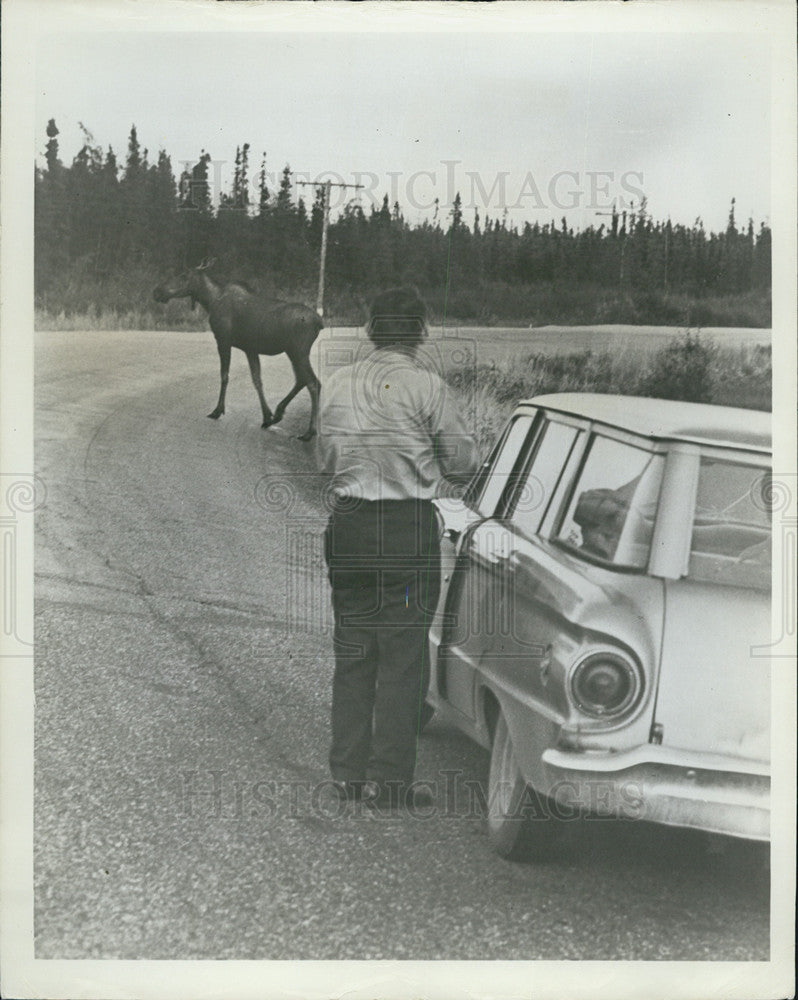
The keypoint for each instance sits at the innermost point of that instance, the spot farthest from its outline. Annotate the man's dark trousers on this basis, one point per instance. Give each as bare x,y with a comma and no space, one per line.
384,568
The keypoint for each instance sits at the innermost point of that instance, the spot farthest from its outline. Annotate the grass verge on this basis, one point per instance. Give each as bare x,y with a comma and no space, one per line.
692,368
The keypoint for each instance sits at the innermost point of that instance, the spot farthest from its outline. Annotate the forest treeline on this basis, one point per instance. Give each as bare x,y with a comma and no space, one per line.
106,232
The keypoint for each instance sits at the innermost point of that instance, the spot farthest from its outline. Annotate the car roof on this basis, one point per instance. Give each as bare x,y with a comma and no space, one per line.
666,418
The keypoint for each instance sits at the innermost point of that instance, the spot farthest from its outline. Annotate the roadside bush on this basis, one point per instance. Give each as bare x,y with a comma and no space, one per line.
744,377
82,292
690,369
681,370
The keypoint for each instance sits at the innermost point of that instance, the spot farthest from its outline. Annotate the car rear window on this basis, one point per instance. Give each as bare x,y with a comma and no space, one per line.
611,515
731,538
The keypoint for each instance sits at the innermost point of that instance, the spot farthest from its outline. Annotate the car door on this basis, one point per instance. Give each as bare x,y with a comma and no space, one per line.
483,617
452,619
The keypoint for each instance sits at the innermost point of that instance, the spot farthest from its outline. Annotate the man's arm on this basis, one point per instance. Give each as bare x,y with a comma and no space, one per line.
455,448
325,454
326,440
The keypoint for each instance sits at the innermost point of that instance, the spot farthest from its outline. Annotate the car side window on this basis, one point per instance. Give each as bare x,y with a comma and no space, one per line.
540,480
486,488
611,514
731,539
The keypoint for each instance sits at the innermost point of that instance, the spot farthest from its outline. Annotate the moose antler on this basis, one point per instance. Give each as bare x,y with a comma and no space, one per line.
208,262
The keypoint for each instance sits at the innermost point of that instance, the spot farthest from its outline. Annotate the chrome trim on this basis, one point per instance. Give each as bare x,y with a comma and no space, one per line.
717,801
605,761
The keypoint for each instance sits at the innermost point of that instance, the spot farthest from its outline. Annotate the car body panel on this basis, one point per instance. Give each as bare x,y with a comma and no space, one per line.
729,709
534,612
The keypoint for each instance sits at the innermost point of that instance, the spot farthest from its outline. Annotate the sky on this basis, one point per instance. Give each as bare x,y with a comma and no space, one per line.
544,125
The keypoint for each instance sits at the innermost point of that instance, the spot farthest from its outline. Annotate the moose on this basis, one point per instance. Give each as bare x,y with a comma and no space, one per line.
255,325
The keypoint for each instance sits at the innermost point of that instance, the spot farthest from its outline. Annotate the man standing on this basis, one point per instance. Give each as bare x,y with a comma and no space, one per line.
391,438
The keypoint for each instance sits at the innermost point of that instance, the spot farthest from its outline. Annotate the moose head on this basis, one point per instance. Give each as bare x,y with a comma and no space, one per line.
188,284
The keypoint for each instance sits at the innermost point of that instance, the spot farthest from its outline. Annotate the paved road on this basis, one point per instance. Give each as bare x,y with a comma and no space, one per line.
182,695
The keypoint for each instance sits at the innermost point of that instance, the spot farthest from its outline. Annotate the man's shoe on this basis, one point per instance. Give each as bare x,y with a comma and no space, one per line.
391,795
419,798
348,791
373,793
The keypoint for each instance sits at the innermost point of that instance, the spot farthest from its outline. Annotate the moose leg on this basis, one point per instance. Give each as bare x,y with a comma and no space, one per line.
313,388
278,413
254,368
305,376
224,360
313,384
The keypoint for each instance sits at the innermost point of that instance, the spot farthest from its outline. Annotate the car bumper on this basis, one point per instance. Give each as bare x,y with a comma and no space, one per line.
674,791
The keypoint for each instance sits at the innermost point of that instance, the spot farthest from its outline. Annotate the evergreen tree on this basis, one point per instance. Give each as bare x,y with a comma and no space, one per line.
263,190
456,213
243,199
82,199
51,154
133,196
196,215
162,228
97,226
109,215
51,220
731,227
284,195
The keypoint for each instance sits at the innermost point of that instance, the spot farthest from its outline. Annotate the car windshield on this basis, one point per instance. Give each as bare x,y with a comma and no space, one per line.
612,512
731,539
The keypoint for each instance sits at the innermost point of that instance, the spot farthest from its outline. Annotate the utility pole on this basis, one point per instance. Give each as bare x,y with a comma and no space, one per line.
614,215
667,248
327,187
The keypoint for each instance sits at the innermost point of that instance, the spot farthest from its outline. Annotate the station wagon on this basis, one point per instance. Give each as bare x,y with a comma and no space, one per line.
605,615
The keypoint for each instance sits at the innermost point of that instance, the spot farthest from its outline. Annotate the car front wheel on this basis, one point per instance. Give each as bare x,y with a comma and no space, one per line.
520,821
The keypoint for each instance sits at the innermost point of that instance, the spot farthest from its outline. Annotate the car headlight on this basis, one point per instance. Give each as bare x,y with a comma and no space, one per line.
605,684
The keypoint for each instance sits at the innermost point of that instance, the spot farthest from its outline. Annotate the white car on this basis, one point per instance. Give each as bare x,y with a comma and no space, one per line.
605,614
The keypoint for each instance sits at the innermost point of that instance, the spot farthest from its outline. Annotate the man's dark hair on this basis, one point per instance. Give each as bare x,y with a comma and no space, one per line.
397,316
